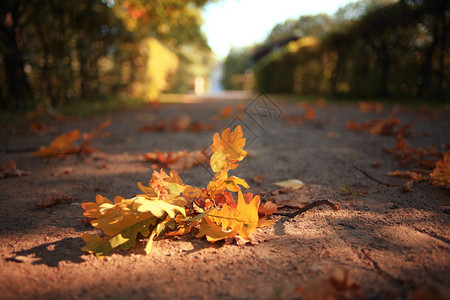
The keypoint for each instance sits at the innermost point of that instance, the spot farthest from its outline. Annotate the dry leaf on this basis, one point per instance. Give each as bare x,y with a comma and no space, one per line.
229,222
374,106
406,174
293,184
286,200
441,173
258,178
309,115
61,145
407,155
9,169
168,203
337,284
64,144
267,209
226,112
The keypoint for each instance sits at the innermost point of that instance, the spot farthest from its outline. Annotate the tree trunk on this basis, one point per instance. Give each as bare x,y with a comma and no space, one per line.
18,86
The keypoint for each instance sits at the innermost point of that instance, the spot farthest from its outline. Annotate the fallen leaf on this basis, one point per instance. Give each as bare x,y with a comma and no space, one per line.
227,149
9,169
309,115
226,112
61,145
258,179
441,173
374,106
65,143
293,184
267,209
230,222
337,284
407,155
286,200
406,174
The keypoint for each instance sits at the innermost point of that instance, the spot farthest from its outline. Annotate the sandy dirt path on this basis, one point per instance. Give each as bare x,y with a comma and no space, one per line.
393,244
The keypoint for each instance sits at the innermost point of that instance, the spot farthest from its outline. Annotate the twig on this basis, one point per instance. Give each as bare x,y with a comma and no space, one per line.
374,179
380,270
307,207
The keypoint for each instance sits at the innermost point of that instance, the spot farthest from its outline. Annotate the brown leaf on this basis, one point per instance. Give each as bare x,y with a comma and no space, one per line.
406,174
337,284
287,200
9,169
258,178
374,106
267,209
441,174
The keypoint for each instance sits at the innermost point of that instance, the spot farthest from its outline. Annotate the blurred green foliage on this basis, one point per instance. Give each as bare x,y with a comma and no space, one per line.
368,49
63,52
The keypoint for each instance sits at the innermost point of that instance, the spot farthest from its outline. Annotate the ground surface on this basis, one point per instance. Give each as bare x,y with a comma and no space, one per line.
393,244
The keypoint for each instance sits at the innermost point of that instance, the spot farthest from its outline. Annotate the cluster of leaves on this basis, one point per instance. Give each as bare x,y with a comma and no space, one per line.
389,126
407,155
65,143
169,204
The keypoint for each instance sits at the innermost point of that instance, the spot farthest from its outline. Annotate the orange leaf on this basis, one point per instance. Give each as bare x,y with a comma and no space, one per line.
267,209
239,221
61,145
441,174
228,149
406,174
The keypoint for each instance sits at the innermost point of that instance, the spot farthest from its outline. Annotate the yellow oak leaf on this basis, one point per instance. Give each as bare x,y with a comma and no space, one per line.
96,244
158,208
212,231
231,184
241,220
441,173
227,149
113,218
61,145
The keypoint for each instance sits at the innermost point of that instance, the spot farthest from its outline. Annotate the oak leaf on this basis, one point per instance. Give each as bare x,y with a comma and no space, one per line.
65,143
441,173
147,214
61,145
241,220
227,149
